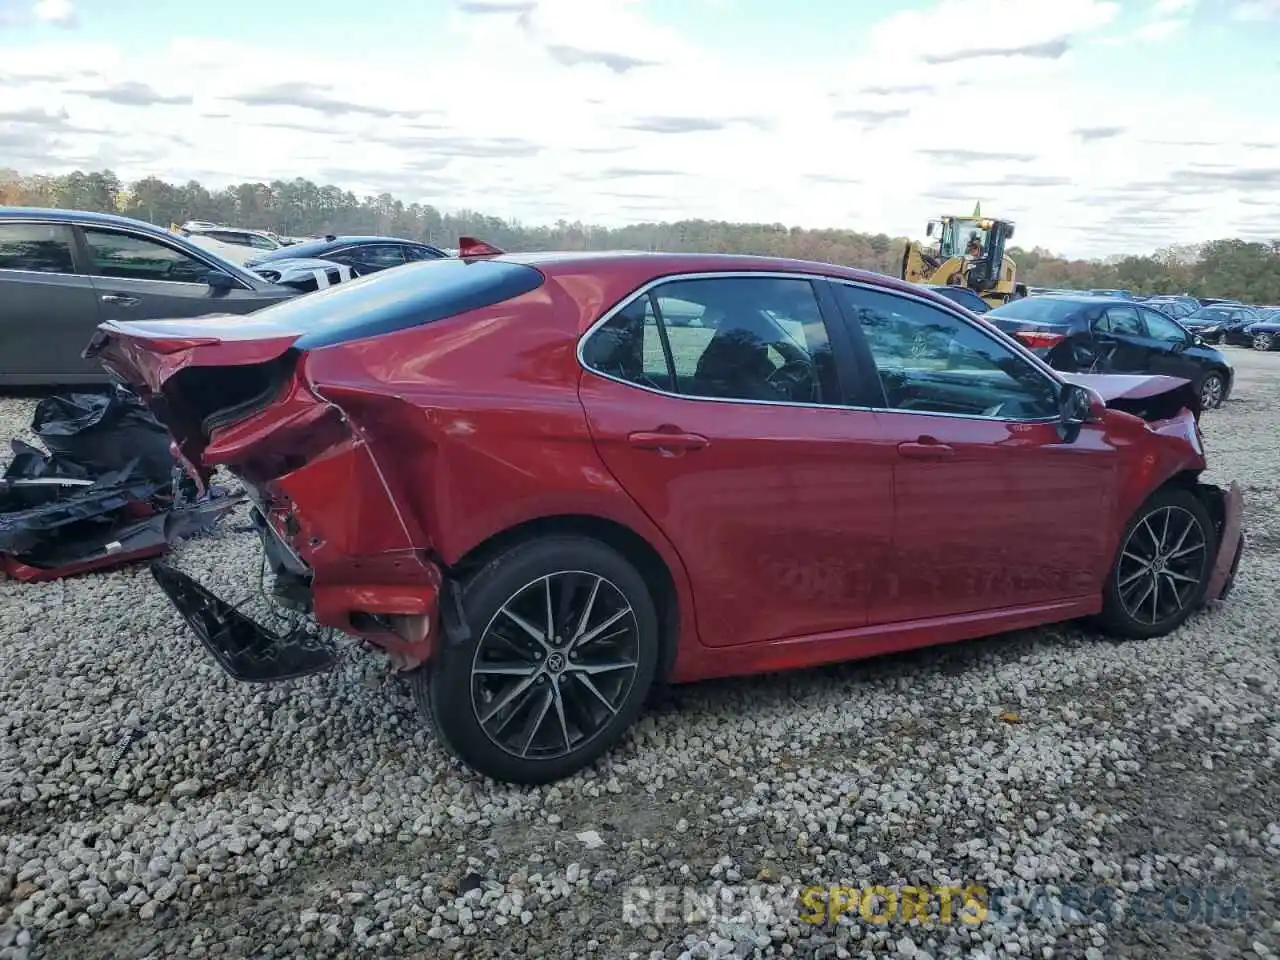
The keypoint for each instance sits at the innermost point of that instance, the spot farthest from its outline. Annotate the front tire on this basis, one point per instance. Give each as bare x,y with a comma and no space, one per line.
1262,341
1213,390
562,654
1162,569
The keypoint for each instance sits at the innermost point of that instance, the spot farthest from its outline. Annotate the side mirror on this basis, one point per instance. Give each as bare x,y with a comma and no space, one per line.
220,281
1077,406
928,230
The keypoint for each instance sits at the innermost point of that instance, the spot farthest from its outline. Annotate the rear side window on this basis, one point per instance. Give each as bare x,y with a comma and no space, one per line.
725,338
40,247
391,300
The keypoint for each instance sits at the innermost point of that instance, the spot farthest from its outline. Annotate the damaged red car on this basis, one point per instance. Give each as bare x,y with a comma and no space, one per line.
544,483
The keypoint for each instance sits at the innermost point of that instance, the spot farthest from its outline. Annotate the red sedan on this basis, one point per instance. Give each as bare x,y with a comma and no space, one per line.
543,483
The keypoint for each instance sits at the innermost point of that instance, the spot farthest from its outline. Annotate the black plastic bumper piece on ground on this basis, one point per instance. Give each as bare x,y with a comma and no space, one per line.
246,650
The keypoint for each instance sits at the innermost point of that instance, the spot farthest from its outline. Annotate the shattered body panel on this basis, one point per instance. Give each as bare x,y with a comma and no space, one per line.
108,492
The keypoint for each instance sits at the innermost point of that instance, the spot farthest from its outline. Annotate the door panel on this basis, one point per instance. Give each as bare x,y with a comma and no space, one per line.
782,517
1011,516
991,508
47,310
780,511
1122,343
1168,343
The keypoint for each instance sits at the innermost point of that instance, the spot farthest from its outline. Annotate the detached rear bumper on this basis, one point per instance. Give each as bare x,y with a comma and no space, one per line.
1231,542
244,648
391,601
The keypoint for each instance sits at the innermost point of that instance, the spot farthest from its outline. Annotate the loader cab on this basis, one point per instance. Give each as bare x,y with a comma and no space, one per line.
956,232
993,235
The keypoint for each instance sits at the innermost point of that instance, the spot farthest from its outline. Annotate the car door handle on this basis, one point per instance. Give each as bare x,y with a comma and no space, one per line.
118,300
663,441
926,448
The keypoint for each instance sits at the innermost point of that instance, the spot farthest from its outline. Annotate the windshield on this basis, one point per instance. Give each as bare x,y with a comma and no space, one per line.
1037,310
958,235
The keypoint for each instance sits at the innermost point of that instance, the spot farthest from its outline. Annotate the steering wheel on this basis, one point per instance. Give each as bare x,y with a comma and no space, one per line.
791,375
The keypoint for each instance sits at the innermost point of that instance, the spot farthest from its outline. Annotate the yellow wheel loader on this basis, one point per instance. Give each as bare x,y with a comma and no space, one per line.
969,253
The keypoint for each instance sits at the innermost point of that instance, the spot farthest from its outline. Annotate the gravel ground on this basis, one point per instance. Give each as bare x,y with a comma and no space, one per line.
318,819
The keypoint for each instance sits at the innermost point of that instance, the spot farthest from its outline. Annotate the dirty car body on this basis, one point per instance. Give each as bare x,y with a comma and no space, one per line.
509,474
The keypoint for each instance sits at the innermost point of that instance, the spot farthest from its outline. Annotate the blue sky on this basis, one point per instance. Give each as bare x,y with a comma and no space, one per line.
1102,127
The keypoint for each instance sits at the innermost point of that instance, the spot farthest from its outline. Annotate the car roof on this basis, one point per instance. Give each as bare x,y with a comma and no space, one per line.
1084,299
75,216
657,264
318,244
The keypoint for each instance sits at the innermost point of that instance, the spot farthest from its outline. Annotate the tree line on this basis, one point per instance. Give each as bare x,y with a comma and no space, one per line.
1219,268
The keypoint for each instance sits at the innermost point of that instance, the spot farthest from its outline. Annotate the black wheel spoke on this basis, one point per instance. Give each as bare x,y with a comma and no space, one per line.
554,665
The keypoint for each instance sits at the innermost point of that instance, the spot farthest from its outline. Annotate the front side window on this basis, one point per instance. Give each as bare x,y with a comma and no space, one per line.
379,256
413,254
125,256
729,338
931,361
1125,320
1162,328
39,247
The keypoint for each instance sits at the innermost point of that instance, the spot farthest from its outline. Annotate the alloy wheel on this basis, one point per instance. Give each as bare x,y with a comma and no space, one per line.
1262,341
1161,565
1211,391
555,665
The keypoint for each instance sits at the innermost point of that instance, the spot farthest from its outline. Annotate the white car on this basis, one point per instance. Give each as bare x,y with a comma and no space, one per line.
232,243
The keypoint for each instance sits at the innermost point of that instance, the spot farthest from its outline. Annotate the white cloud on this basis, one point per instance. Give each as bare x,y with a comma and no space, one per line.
1172,8
60,12
1255,10
1158,30
595,111
19,13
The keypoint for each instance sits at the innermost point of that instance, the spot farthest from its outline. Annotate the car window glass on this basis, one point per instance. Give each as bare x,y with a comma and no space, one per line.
1101,323
1124,320
1162,328
931,361
261,243
629,347
41,247
731,338
129,257
380,255
419,253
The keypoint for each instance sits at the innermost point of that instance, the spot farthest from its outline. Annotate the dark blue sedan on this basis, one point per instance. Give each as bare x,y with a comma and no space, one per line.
1086,334
362,254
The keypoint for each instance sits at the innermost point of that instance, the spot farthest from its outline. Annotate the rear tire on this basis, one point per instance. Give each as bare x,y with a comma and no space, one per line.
1263,341
520,708
1160,573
